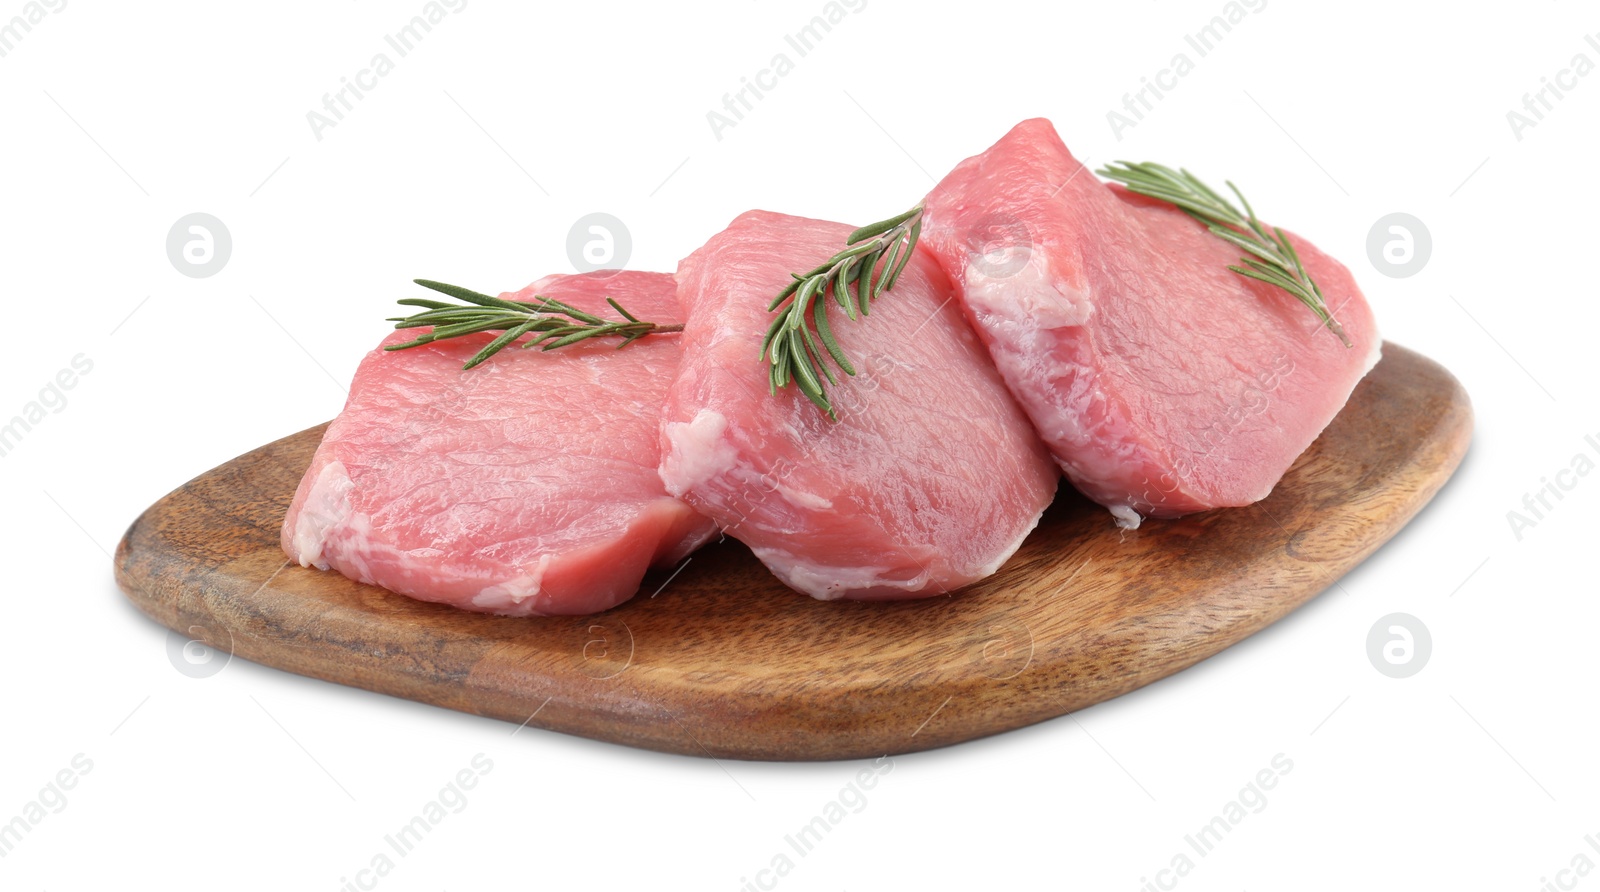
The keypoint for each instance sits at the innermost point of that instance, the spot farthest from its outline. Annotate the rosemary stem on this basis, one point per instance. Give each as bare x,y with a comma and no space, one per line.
1272,259
552,323
800,341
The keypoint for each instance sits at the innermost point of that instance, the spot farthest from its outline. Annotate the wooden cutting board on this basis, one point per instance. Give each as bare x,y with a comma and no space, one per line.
727,662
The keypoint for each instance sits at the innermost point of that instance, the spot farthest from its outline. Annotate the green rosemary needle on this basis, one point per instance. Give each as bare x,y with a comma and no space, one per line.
556,324
800,337
1273,259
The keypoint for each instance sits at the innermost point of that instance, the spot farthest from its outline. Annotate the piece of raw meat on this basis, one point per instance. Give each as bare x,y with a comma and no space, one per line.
1163,383
524,486
930,478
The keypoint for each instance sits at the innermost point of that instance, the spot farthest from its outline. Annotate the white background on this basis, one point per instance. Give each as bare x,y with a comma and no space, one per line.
470,161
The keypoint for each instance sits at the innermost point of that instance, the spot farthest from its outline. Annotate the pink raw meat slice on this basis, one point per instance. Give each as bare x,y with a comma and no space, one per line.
928,481
524,486
1163,383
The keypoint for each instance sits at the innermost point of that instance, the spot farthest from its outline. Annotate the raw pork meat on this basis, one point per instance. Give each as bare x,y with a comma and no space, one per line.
1163,383
928,481
525,486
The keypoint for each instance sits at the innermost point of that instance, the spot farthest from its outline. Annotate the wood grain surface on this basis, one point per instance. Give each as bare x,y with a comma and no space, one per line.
727,662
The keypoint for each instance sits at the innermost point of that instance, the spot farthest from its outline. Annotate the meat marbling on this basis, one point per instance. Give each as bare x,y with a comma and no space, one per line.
525,486
928,481
1163,383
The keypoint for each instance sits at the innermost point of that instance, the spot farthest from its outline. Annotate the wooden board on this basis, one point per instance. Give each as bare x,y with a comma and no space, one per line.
725,661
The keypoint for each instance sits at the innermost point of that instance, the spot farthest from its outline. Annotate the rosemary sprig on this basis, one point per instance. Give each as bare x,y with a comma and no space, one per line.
556,323
1273,259
872,261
